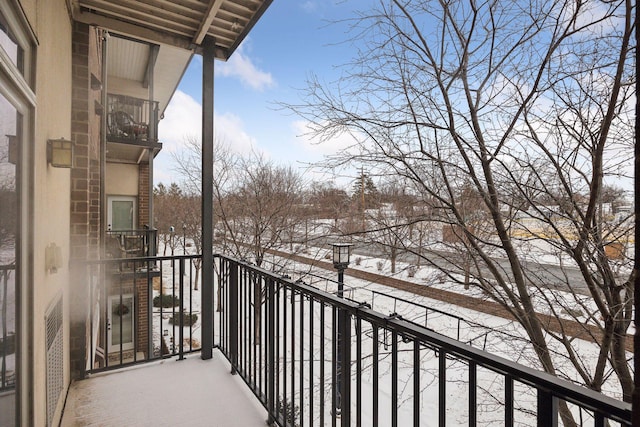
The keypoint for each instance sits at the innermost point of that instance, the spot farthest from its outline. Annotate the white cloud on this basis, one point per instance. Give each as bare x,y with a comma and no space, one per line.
309,6
182,120
240,66
229,130
339,143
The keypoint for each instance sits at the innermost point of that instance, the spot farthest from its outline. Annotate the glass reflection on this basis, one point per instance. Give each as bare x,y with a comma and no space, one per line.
10,44
9,155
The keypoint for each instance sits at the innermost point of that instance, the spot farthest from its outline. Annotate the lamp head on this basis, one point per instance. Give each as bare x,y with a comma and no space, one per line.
341,254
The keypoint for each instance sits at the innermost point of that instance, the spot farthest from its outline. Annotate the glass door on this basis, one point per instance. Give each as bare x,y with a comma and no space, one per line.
121,323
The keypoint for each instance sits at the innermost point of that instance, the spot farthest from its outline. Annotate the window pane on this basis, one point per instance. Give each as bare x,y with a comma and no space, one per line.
121,322
10,44
122,215
10,125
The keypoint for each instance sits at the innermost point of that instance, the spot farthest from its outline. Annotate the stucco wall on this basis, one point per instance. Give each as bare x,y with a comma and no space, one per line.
121,180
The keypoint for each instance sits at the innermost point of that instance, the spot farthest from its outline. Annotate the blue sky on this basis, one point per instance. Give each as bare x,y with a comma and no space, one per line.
292,40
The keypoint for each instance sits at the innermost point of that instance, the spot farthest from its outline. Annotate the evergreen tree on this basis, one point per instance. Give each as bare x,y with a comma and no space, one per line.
365,192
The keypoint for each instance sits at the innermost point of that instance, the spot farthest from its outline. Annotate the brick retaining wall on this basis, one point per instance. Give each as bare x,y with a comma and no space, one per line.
572,328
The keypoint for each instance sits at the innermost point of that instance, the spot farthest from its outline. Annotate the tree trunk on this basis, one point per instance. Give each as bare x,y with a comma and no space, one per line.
393,256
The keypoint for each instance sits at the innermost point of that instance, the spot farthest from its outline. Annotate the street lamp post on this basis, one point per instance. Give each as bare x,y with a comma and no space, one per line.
341,253
184,238
172,231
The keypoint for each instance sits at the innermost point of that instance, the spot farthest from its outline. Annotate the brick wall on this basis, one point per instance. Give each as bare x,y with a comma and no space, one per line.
85,183
80,137
79,193
143,194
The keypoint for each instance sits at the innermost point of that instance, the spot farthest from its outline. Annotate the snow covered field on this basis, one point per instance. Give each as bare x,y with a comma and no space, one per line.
498,336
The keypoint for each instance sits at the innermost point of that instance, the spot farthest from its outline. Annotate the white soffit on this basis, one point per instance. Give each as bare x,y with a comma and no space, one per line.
181,23
127,59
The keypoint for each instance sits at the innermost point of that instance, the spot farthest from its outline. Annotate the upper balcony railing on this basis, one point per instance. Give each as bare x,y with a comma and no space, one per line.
131,120
313,358
131,243
7,329
141,309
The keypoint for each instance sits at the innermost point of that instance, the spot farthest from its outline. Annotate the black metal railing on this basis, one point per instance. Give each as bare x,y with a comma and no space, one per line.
7,332
131,243
315,359
131,120
440,321
142,309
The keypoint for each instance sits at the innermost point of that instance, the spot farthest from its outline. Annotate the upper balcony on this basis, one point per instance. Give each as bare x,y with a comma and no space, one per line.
311,358
8,343
131,243
132,128
7,330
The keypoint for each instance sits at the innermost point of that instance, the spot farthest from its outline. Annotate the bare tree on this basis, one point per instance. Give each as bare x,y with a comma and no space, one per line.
329,201
516,102
168,213
390,232
192,229
264,204
255,201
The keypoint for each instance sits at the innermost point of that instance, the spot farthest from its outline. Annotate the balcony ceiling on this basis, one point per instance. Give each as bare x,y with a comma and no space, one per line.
176,27
181,23
130,153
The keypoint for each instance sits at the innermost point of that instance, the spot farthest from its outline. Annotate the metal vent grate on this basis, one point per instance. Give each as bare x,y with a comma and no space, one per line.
55,358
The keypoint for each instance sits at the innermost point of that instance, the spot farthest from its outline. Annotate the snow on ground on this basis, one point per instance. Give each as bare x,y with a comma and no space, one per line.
497,335
193,392
163,327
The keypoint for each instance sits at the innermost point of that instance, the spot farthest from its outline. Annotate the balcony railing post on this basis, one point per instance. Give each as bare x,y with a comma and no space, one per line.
181,296
344,367
4,274
233,315
547,409
152,237
271,361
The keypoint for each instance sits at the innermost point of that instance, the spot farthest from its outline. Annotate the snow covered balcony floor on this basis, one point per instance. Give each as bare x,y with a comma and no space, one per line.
170,392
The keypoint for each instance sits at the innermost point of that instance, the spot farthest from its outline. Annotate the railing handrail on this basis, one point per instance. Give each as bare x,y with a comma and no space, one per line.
138,260
426,307
133,230
560,388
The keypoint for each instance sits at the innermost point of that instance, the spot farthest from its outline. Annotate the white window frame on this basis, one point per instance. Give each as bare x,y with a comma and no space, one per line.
114,300
16,88
111,199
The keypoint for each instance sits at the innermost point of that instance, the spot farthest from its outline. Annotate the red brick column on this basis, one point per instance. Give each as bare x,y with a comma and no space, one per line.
85,185
79,196
143,194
